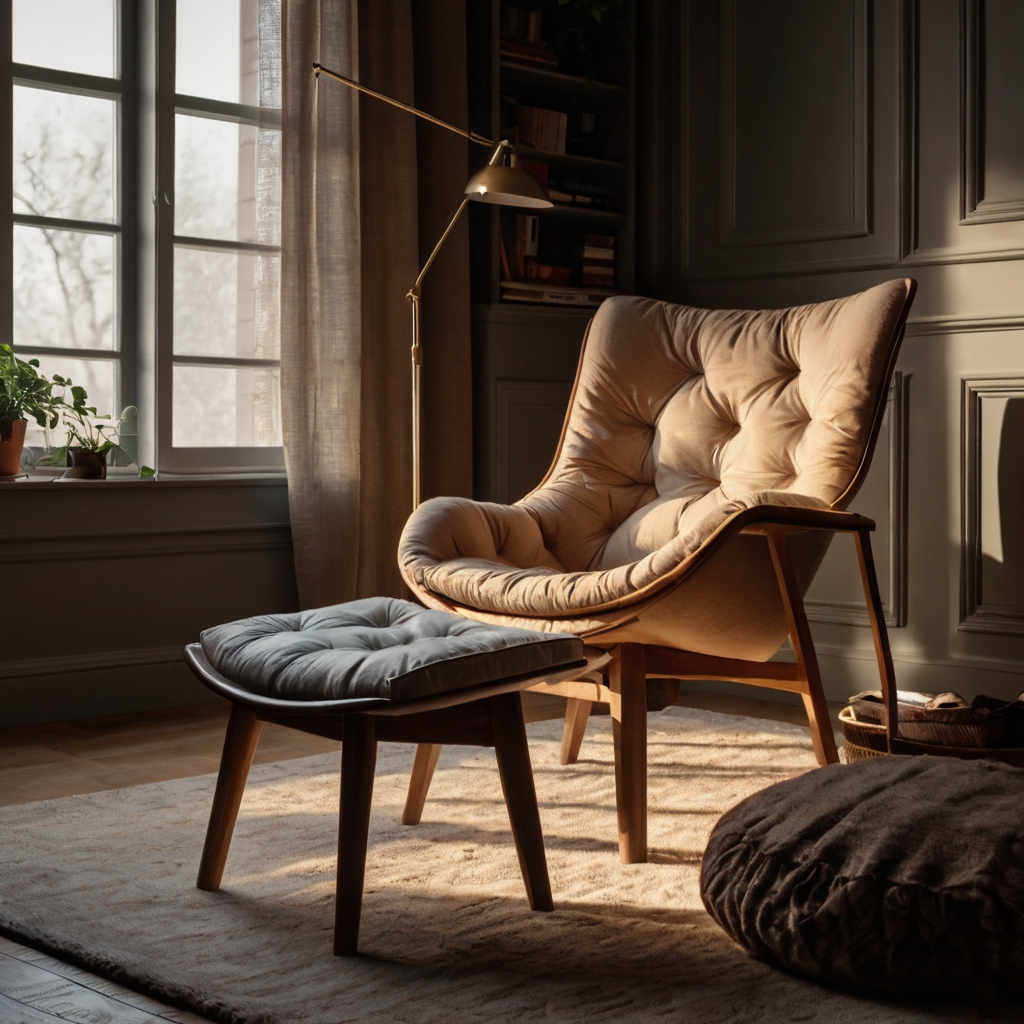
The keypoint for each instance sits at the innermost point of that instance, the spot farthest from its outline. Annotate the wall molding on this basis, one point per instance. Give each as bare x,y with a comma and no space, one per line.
895,609
1009,666
150,542
974,208
859,223
928,326
508,394
64,664
975,616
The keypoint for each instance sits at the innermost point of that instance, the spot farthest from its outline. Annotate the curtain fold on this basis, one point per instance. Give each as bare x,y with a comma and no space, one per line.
358,185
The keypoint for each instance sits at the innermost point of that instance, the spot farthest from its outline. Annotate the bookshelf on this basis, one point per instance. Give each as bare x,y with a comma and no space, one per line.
527,333
590,179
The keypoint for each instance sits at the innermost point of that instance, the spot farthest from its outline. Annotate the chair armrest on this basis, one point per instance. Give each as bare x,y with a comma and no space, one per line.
772,518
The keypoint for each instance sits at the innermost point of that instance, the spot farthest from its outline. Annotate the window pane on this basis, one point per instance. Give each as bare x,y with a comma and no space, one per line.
72,35
226,407
230,50
63,288
64,155
97,376
227,180
226,304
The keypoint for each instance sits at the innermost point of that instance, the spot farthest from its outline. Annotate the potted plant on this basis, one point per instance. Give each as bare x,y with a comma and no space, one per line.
24,392
90,437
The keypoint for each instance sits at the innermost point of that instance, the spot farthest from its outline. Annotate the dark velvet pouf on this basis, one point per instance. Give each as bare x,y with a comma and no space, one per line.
898,873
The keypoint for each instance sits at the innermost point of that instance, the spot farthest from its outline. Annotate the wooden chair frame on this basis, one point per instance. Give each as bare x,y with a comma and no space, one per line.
635,666
488,716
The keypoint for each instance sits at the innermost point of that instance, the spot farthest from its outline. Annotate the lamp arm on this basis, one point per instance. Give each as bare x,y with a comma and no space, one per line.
482,140
415,289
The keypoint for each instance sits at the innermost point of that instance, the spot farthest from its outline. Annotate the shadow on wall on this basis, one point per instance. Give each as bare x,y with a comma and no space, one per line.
1002,564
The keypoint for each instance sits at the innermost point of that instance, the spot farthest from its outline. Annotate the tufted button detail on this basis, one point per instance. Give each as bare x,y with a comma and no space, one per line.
377,648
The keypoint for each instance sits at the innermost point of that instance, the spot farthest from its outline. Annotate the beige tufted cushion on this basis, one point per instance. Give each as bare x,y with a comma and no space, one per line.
680,418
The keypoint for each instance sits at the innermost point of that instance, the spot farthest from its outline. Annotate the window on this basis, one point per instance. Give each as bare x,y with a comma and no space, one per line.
146,216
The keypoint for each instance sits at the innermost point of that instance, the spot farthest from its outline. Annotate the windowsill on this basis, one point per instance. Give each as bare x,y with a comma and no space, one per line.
39,479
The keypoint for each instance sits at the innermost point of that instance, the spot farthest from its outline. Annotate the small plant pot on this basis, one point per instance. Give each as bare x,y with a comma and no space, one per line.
85,465
12,441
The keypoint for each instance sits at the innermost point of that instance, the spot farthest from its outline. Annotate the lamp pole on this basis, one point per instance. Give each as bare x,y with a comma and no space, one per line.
506,185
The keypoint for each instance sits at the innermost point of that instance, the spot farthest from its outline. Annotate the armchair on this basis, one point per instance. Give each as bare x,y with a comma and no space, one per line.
706,461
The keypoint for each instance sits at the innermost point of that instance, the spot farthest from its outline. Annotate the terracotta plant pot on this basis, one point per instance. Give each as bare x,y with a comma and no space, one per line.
11,446
85,465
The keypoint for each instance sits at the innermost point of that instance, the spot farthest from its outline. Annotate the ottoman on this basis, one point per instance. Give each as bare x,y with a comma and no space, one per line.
381,669
904,874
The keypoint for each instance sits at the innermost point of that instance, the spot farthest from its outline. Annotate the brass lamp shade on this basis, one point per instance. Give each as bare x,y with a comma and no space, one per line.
507,186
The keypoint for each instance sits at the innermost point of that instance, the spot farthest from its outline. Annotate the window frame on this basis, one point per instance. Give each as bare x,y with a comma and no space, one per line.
122,89
144,229
168,104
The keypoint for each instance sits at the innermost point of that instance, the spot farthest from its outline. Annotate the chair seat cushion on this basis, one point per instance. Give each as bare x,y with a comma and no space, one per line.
899,873
492,557
377,648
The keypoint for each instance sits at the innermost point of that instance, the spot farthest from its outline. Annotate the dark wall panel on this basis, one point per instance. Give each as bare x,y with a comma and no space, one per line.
789,69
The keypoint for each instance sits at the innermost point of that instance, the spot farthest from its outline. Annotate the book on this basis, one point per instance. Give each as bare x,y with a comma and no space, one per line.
503,255
527,237
541,129
565,295
528,52
545,272
598,262
538,170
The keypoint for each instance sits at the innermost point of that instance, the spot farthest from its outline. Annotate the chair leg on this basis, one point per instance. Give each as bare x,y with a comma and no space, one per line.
627,677
822,737
516,773
577,713
358,761
419,781
886,670
240,741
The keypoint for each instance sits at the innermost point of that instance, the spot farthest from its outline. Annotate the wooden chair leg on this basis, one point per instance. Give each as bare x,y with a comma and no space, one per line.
627,677
516,774
240,741
358,761
822,737
886,669
419,781
577,713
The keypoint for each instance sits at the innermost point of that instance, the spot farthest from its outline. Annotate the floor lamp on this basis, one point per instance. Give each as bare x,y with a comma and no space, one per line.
502,182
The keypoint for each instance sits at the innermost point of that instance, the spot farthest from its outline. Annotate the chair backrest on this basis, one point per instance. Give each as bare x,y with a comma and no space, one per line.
678,411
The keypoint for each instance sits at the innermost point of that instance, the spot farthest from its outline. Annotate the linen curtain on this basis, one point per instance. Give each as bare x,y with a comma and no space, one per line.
361,185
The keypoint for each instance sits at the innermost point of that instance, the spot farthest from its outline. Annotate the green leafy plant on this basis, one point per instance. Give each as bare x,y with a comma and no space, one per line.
88,430
25,393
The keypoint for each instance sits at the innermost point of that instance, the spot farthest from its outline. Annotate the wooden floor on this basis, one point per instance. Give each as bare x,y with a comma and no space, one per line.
43,762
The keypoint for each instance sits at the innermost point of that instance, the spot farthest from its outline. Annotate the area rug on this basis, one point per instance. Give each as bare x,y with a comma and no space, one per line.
108,881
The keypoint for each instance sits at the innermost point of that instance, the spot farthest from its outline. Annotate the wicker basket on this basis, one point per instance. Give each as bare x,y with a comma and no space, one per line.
862,740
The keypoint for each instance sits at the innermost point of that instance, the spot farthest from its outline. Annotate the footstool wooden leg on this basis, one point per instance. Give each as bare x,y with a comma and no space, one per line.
358,762
419,782
516,774
577,713
239,746
627,677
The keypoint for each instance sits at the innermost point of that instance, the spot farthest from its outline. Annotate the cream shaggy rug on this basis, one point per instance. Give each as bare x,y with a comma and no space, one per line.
108,880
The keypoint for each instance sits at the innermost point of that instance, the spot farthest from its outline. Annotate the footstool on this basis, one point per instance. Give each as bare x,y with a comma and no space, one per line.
904,874
381,669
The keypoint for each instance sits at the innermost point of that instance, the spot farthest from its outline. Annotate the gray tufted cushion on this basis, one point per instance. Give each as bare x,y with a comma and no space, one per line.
377,648
899,873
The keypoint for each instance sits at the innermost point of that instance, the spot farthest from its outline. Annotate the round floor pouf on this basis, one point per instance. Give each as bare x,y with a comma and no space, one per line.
897,873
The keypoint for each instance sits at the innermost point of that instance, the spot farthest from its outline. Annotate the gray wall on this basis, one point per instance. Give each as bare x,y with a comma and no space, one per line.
798,150
104,582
